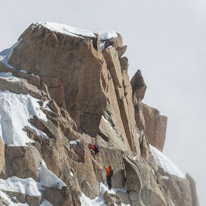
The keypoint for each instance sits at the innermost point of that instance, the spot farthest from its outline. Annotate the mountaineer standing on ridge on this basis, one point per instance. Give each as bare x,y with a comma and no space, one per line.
109,171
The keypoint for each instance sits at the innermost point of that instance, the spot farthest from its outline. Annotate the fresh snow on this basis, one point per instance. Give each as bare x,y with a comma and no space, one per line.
6,54
7,198
99,201
8,76
107,35
103,36
85,201
15,111
23,71
134,158
165,163
48,178
138,135
65,29
46,203
45,105
71,173
24,186
165,177
74,141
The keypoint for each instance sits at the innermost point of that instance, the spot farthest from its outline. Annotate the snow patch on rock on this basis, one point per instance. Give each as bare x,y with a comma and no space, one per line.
8,76
103,36
65,29
107,35
99,201
45,103
74,142
48,178
24,186
46,203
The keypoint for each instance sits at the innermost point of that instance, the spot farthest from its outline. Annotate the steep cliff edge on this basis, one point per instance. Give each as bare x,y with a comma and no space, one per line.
62,88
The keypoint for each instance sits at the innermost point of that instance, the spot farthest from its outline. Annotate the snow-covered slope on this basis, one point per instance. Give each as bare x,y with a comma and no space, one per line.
166,164
15,111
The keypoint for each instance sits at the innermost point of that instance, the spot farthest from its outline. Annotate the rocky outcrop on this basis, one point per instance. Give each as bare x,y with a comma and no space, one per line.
89,85
148,119
86,97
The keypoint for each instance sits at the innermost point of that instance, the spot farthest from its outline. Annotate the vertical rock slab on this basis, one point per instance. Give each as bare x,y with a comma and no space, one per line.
155,126
123,92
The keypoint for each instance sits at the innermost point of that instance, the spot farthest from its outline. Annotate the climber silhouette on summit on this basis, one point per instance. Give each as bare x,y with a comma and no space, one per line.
94,147
109,171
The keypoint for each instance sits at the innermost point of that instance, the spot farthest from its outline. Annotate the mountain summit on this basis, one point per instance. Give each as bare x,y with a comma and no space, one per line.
63,91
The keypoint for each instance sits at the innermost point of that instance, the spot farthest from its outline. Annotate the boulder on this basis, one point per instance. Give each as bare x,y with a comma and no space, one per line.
23,162
112,199
138,87
121,50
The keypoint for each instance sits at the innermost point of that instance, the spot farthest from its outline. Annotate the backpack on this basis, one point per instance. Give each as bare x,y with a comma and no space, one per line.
96,148
111,172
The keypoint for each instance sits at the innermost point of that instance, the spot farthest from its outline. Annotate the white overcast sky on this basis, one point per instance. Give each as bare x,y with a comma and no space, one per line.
166,39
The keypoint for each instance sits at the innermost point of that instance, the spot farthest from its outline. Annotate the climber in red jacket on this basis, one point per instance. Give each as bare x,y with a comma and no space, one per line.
109,171
94,147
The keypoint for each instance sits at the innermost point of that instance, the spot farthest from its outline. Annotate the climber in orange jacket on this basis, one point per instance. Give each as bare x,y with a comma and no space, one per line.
109,171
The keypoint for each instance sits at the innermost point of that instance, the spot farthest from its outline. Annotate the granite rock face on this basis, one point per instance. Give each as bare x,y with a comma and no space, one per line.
81,85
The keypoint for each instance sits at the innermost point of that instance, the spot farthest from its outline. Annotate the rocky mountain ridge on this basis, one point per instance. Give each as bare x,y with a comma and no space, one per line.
74,87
